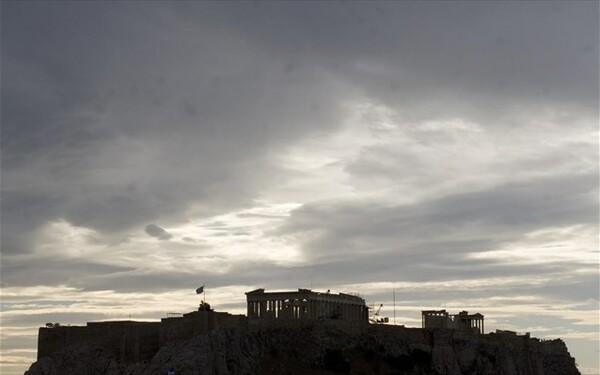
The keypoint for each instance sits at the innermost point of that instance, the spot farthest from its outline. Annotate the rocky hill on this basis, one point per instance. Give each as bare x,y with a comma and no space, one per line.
318,350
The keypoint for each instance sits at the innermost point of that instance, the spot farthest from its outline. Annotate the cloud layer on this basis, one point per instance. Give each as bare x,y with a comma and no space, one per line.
447,151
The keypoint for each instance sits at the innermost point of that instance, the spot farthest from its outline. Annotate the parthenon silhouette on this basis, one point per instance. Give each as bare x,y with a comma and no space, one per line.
305,304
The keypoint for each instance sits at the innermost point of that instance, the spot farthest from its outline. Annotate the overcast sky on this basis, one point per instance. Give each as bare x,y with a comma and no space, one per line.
447,150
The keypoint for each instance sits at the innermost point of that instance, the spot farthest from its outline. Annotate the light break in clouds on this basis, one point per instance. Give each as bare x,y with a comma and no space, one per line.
447,150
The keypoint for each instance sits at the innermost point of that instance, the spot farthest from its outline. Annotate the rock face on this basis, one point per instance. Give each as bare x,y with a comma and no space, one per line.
318,350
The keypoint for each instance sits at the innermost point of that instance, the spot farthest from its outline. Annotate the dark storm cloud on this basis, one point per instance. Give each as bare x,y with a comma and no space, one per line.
104,114
402,51
91,87
22,213
155,231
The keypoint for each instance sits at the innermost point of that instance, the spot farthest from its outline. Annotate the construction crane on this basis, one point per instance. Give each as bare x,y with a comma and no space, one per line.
376,319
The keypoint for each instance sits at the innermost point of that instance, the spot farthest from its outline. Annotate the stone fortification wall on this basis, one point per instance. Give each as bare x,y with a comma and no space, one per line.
52,340
175,329
198,323
127,340
131,341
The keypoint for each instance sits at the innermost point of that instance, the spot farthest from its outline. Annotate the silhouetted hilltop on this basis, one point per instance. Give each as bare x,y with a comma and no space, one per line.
373,349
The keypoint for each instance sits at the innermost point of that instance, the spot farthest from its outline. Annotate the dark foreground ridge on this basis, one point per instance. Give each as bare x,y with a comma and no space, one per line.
208,342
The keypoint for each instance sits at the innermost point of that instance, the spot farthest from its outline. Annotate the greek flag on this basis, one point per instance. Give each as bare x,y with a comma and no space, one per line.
200,290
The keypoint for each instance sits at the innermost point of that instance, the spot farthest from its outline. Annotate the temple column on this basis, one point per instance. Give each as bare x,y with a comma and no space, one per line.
263,309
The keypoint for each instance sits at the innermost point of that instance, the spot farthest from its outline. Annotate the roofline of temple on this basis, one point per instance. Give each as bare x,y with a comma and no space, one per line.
301,291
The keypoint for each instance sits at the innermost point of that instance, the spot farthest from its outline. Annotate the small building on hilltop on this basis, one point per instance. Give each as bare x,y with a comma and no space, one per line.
305,305
461,321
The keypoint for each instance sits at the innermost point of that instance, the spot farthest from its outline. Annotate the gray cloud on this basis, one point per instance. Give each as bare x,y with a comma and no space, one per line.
466,128
155,231
54,270
496,215
527,50
164,108
122,117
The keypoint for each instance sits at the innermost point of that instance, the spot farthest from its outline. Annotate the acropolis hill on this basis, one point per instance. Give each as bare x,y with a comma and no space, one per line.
296,332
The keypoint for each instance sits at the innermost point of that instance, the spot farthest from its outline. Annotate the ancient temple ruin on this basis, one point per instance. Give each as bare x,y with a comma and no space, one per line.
461,321
305,305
